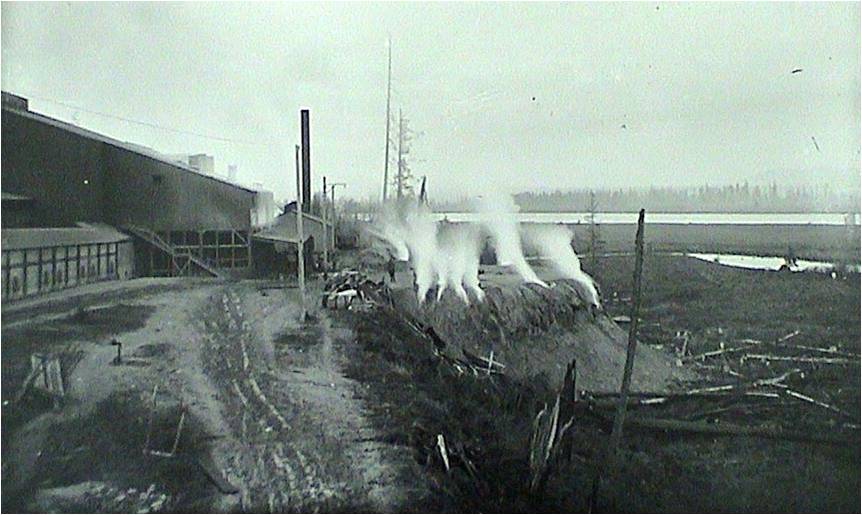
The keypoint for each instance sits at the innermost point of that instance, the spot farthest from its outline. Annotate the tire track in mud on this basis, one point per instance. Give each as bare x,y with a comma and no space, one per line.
272,471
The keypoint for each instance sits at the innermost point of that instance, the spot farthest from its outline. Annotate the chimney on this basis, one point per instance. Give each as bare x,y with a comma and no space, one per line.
306,161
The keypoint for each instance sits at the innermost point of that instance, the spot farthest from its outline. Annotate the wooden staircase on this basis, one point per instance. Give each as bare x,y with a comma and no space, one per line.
182,260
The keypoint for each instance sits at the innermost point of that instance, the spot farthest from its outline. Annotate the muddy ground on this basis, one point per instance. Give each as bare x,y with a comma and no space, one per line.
342,413
269,410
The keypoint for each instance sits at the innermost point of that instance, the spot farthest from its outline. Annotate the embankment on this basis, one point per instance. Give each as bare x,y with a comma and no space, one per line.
535,332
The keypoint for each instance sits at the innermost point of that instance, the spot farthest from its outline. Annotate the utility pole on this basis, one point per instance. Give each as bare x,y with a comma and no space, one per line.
334,217
300,244
388,97
400,178
323,209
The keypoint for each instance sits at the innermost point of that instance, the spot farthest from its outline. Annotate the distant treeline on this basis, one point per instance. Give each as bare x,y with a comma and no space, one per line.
737,198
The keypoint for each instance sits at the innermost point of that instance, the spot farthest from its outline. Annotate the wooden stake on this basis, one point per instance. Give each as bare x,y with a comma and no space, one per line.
568,398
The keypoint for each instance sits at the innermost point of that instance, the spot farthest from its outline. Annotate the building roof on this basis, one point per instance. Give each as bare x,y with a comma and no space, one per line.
283,229
291,208
16,239
130,147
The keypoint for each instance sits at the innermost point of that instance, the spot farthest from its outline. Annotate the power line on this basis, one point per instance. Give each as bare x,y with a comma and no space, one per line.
151,125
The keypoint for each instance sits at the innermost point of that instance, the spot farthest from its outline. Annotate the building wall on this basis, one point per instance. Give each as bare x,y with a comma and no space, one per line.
32,271
154,194
60,170
73,178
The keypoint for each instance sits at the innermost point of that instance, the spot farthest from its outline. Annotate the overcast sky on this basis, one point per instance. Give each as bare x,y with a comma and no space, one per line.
514,96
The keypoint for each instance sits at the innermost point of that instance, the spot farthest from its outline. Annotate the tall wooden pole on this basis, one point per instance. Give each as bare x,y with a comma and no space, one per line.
300,245
619,419
388,97
324,209
617,432
334,214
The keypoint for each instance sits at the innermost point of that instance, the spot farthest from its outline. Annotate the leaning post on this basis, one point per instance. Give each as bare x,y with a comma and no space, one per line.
619,419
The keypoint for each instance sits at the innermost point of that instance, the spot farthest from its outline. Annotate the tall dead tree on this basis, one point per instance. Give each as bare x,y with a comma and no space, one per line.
388,116
594,235
404,176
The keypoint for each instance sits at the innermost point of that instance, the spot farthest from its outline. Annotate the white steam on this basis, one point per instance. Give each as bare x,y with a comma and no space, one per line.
554,242
446,255
498,216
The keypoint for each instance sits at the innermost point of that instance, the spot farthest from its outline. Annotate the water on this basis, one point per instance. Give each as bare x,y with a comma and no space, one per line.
673,218
768,262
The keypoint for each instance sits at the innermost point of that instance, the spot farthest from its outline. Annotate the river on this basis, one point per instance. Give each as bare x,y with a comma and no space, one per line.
672,218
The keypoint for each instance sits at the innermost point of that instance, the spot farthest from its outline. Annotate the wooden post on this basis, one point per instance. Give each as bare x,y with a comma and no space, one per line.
616,433
568,397
300,251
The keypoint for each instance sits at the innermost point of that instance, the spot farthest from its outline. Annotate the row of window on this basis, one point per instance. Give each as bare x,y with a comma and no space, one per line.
26,272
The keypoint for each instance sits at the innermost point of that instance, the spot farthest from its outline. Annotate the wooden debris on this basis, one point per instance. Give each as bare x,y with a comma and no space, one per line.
27,382
822,404
831,350
735,429
441,446
801,359
717,353
568,397
49,374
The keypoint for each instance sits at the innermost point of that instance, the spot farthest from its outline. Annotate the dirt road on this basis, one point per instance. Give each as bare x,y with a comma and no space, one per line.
268,403
311,447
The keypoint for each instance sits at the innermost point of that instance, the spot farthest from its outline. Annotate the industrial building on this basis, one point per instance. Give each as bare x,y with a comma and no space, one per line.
57,175
275,246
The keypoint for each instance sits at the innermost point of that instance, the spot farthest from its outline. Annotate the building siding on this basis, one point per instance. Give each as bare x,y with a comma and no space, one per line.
75,178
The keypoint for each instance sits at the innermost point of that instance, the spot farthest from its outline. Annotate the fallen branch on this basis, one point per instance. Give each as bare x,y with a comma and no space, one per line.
751,343
822,404
801,359
717,353
647,399
727,429
831,350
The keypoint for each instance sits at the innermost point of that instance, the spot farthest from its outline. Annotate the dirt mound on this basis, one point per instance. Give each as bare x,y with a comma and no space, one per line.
535,332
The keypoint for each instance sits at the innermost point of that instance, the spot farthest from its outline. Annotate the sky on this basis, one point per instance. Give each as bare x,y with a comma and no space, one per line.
510,97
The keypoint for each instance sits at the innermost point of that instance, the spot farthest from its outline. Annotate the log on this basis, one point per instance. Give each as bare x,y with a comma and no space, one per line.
717,353
802,359
726,429
822,404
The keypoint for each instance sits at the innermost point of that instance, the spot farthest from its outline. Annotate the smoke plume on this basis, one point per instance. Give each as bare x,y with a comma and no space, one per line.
554,242
446,255
498,216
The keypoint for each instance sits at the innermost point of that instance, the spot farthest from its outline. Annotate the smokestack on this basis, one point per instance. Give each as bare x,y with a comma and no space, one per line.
306,161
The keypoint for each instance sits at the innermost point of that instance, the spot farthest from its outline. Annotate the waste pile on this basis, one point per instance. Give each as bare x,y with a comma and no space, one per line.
353,290
530,331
